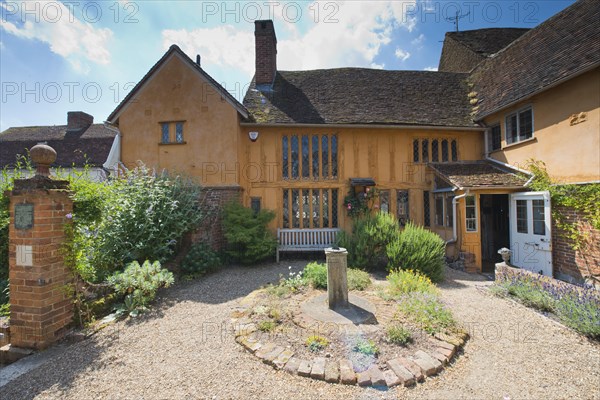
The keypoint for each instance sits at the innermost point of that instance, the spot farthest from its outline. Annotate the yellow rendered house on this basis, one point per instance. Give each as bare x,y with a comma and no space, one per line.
447,150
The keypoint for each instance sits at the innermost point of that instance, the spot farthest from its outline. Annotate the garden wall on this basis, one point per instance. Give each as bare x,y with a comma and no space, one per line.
212,201
575,265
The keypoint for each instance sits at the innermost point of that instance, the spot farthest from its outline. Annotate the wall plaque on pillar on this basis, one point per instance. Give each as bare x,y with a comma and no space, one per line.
24,216
24,256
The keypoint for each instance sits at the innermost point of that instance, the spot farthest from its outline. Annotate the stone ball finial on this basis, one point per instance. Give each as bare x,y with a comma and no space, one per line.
42,156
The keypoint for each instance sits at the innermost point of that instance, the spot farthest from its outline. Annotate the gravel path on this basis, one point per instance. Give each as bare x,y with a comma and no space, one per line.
183,350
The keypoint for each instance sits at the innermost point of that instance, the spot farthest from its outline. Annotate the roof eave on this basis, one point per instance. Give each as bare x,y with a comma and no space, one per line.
374,125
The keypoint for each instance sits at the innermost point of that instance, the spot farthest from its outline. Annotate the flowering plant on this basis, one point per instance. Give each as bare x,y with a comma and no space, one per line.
359,204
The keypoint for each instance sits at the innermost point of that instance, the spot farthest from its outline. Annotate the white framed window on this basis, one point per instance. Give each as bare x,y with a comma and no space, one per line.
471,213
519,126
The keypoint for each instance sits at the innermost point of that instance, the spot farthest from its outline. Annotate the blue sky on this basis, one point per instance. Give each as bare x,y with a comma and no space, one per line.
86,55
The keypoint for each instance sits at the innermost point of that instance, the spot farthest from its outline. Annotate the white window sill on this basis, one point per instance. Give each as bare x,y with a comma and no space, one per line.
531,139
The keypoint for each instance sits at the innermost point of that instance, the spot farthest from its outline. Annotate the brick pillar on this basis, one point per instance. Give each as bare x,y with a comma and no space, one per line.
41,306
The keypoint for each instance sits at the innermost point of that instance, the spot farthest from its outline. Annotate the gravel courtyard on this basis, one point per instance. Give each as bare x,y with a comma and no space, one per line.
183,350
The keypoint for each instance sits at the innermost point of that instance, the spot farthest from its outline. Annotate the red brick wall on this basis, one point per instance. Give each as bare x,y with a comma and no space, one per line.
212,201
40,303
575,265
266,52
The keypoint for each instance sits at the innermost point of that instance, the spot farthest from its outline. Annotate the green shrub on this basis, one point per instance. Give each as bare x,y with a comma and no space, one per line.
248,239
370,237
427,311
402,282
201,259
315,274
139,284
316,343
532,296
398,335
357,279
420,250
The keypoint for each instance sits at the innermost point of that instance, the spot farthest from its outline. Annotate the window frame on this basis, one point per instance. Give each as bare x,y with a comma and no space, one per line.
517,115
171,133
436,197
475,218
491,147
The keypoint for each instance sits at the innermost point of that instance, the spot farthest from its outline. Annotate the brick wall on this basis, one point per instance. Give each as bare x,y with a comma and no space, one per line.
265,52
41,306
212,201
574,265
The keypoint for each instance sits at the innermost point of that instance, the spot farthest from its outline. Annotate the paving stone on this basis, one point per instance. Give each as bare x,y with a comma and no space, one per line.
292,365
347,375
304,368
438,356
412,367
282,358
422,355
406,377
445,345
363,378
332,372
318,368
244,329
446,352
251,344
377,378
391,379
264,350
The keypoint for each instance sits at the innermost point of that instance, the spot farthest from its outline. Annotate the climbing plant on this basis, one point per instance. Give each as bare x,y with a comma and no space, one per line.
582,198
358,204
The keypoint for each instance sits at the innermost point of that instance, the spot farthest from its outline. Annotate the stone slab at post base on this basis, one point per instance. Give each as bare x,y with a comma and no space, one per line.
41,306
337,278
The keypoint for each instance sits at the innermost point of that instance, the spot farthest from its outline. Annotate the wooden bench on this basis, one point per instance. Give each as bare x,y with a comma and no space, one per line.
305,239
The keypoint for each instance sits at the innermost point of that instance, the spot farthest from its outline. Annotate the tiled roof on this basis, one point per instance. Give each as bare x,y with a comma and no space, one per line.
72,147
362,96
174,49
564,46
479,174
487,41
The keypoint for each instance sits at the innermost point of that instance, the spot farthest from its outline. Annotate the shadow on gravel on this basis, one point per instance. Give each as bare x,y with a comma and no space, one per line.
454,279
60,370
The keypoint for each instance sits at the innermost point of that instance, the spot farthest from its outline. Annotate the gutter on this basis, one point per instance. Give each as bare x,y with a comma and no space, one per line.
454,222
363,126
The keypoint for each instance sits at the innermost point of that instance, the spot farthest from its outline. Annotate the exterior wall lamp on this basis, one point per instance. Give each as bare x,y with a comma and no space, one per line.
253,136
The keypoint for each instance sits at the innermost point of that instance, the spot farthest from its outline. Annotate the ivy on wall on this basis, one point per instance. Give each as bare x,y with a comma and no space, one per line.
582,198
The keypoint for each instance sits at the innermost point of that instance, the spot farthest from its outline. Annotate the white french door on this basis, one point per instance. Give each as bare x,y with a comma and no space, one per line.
530,231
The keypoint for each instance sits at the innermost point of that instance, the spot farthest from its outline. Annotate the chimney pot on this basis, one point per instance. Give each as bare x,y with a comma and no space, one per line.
198,59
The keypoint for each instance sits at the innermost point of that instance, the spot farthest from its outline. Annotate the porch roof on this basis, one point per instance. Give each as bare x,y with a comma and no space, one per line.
479,174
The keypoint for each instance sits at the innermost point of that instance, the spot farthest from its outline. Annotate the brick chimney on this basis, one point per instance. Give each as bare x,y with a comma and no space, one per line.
266,52
77,120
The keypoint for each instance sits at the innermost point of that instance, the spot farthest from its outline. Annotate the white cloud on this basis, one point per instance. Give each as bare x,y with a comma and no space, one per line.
67,36
224,46
418,41
402,55
432,68
362,28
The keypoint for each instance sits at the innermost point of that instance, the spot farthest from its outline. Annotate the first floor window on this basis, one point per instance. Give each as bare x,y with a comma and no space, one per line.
519,126
309,157
171,132
402,206
495,138
471,213
310,208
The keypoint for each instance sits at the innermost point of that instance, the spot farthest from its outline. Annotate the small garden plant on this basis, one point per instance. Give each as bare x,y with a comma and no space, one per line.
399,335
316,343
366,347
575,306
200,260
138,285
